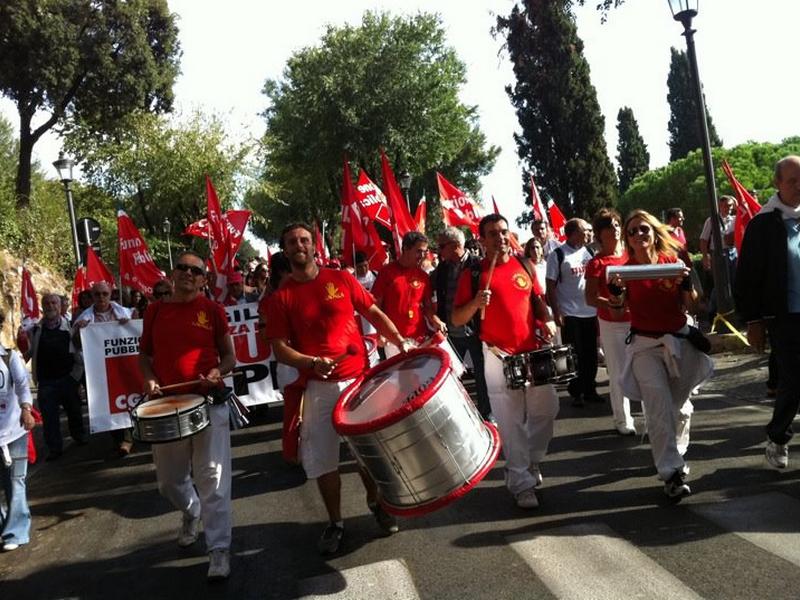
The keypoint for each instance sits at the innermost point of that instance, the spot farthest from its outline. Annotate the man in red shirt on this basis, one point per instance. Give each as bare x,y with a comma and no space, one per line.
311,324
403,291
185,338
512,302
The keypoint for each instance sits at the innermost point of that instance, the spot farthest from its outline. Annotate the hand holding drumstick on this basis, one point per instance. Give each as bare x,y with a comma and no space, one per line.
485,295
324,366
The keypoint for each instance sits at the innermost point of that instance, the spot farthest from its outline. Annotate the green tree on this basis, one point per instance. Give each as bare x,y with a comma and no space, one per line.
684,123
633,158
87,62
389,82
561,140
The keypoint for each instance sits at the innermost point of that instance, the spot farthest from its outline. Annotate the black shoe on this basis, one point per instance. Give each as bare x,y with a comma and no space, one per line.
675,487
386,522
330,540
594,397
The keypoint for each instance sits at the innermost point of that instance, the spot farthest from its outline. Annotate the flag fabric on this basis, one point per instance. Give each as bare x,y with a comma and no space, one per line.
494,206
747,206
457,209
401,216
421,215
224,240
136,266
78,285
359,232
321,253
96,270
28,300
557,221
539,213
372,201
237,220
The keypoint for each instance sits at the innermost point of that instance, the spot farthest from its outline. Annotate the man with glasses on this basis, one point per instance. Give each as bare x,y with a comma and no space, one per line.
184,339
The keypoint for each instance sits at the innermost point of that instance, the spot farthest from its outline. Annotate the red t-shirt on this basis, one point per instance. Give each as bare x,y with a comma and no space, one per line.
596,269
509,322
183,338
655,304
402,291
317,318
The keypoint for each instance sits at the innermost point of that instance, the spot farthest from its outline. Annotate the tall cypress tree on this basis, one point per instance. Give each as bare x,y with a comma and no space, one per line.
562,139
684,124
632,155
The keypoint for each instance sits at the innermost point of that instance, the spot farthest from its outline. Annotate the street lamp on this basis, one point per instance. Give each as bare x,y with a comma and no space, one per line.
405,185
167,228
64,167
684,11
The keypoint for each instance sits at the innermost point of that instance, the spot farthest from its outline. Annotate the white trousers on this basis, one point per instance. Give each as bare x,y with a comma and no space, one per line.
319,442
525,420
612,335
206,459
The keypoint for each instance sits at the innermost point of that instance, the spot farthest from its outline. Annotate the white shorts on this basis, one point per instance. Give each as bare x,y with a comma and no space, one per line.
319,442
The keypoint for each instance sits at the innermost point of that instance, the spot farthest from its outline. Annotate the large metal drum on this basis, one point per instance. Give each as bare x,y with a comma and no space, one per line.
414,428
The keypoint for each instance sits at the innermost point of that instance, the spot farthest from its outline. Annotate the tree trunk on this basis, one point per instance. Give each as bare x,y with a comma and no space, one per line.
26,141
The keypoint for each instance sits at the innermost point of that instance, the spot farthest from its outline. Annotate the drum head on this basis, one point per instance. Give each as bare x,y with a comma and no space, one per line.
390,391
168,405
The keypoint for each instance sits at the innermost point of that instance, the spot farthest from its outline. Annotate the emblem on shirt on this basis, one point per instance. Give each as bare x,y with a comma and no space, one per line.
202,320
411,314
520,281
416,284
332,292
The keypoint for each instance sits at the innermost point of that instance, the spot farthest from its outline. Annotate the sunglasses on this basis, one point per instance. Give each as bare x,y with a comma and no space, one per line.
197,271
641,230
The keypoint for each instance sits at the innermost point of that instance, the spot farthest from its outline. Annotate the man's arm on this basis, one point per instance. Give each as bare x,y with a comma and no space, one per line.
552,300
227,360
384,325
151,385
464,313
322,366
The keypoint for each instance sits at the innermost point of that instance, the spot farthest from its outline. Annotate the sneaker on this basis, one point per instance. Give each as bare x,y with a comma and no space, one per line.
625,430
330,540
527,499
9,546
219,564
675,487
537,475
190,529
777,454
386,522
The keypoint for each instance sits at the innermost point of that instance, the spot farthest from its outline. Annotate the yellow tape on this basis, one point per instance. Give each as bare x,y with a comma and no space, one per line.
734,330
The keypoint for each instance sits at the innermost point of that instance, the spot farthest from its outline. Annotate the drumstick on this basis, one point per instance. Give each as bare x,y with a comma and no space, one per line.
352,350
489,281
172,386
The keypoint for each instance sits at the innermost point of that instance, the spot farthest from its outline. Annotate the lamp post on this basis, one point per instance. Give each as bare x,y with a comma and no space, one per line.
405,185
167,228
684,11
64,167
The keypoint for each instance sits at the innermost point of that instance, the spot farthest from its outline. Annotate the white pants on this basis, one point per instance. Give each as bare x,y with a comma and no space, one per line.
319,442
525,419
612,335
206,458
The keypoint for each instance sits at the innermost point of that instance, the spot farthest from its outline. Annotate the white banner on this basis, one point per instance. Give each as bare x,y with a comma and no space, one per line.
113,380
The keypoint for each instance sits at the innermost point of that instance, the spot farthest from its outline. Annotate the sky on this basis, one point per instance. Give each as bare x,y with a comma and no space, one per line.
231,48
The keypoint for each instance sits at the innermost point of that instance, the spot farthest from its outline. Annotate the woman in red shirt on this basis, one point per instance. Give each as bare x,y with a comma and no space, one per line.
613,324
662,366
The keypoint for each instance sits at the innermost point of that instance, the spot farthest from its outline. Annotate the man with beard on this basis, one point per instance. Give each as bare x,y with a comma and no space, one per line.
185,338
309,321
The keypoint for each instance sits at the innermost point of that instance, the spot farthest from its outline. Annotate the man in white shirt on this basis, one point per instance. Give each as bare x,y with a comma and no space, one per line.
566,284
727,216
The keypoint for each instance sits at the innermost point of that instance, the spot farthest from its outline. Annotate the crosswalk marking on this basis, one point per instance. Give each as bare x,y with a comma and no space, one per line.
761,520
388,579
589,561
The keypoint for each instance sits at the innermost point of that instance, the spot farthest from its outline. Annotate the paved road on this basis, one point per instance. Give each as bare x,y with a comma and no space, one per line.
604,529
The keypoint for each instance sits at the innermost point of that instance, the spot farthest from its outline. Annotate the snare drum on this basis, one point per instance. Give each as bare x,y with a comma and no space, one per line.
557,364
413,427
170,418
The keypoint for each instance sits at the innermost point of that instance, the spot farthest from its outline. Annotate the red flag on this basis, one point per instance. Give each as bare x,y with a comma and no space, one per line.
747,206
220,244
238,220
28,300
96,270
319,247
557,221
136,266
421,215
403,223
359,232
78,286
539,213
372,201
494,206
512,240
457,209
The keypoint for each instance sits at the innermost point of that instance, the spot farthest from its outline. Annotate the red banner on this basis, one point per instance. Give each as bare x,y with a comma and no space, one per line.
372,201
136,266
557,221
539,213
747,207
28,300
457,209
235,223
403,223
359,232
320,250
421,216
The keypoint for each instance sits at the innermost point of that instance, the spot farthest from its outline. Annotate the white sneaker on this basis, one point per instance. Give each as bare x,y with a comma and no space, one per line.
219,564
9,546
190,529
777,454
527,499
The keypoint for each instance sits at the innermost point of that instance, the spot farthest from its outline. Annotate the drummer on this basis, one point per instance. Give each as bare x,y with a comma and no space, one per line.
311,324
185,338
512,301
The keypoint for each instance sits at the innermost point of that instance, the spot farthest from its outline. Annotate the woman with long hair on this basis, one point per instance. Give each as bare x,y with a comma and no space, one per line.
613,321
661,365
534,254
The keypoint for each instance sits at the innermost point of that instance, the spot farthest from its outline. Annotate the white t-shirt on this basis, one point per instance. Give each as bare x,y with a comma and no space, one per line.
727,229
367,281
571,287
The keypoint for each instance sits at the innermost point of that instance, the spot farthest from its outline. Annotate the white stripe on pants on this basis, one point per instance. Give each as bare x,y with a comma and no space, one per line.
613,334
206,457
525,419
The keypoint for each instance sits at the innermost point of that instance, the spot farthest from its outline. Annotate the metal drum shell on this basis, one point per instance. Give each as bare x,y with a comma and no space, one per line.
561,364
178,425
428,453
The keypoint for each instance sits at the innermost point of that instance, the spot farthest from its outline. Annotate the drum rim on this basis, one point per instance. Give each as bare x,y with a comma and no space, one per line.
550,349
135,409
428,507
400,413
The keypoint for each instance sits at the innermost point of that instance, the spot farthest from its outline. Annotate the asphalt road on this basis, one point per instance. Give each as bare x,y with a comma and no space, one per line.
604,528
